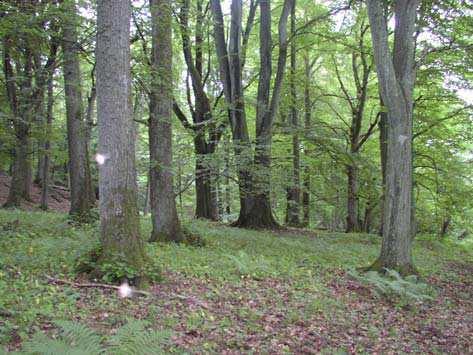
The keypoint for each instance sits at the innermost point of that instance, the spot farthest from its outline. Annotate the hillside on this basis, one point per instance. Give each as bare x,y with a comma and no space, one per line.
58,196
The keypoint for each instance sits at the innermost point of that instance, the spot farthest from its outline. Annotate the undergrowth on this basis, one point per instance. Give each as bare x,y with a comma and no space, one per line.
34,245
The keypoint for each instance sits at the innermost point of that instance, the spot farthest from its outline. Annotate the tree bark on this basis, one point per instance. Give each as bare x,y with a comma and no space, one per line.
166,225
119,218
307,128
82,200
46,178
396,78
294,192
352,199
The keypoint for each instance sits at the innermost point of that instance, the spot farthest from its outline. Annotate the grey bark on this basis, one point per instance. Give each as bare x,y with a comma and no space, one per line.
119,219
166,226
79,169
396,78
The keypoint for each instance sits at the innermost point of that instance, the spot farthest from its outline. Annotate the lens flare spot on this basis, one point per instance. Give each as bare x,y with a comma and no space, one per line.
100,158
125,290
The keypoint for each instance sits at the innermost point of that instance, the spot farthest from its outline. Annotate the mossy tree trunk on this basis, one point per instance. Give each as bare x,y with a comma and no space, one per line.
119,219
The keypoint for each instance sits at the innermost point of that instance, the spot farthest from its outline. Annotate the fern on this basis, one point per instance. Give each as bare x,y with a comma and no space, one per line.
133,338
393,286
77,339
74,339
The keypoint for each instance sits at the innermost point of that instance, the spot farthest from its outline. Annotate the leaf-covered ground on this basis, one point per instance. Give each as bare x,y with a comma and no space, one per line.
244,292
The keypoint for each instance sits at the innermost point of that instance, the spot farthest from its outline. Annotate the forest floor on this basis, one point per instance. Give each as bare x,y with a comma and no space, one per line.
244,292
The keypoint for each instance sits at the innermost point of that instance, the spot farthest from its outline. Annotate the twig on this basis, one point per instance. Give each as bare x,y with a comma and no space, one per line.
92,285
112,287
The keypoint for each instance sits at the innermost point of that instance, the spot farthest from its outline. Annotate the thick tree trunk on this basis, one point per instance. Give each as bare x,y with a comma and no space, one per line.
119,218
79,168
166,225
396,77
206,202
294,193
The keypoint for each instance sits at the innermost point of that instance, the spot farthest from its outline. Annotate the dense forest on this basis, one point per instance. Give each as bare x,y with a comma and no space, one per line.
286,176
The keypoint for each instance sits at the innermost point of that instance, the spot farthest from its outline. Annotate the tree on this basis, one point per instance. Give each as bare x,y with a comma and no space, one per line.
119,219
255,206
166,224
206,132
231,63
396,78
82,196
29,28
294,191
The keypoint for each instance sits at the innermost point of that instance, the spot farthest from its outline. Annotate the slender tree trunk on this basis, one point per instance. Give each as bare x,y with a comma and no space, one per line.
396,77
79,168
119,217
46,178
294,193
307,128
166,226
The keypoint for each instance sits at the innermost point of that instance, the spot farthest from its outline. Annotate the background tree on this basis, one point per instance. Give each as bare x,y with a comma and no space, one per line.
166,224
82,196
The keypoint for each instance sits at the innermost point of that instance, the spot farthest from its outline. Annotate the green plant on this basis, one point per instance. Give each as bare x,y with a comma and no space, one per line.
78,339
405,291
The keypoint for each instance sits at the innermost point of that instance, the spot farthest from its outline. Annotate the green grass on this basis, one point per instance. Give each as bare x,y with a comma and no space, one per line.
34,244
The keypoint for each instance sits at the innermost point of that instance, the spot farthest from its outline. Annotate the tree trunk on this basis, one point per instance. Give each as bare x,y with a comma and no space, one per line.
206,203
294,193
119,218
352,199
79,169
307,128
166,225
230,65
260,214
383,121
396,77
45,178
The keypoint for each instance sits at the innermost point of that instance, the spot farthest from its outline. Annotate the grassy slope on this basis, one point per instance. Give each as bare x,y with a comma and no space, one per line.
244,291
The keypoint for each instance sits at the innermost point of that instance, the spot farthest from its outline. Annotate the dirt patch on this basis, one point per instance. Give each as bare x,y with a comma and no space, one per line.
58,196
